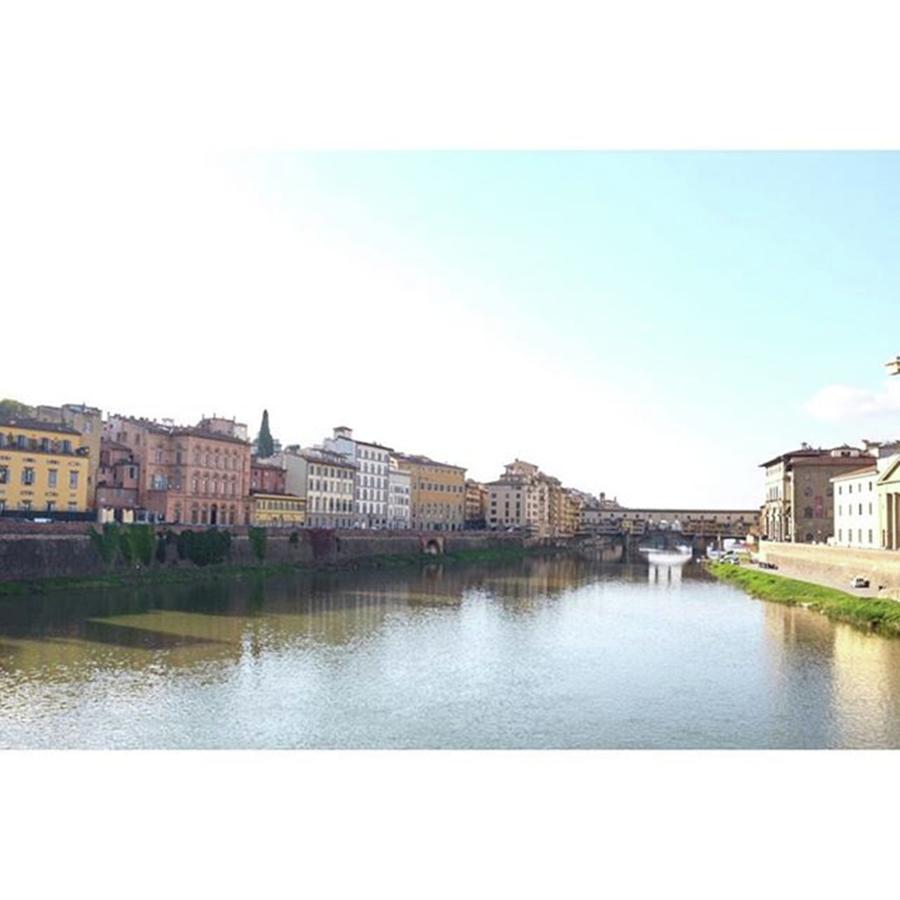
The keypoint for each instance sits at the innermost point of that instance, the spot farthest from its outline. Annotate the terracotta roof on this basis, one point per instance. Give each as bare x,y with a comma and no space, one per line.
856,473
818,457
36,425
328,457
417,459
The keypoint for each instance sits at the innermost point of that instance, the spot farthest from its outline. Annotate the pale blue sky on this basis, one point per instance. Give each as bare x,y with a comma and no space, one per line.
653,325
724,288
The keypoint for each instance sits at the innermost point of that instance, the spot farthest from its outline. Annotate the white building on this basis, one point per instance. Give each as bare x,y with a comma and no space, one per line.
327,480
398,496
856,508
372,463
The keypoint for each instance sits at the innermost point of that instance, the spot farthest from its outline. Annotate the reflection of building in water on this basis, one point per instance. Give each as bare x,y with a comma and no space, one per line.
797,648
866,687
540,580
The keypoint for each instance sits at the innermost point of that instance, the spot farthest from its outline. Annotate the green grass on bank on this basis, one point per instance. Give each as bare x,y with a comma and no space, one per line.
876,614
188,573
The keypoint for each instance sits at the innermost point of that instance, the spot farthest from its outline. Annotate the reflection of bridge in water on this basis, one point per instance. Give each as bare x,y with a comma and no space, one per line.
664,567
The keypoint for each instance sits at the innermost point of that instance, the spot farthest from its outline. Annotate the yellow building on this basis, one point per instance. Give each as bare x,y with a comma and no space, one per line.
437,493
569,512
277,509
88,422
44,467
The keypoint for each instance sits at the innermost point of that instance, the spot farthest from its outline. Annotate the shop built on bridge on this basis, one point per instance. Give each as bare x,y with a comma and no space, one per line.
668,529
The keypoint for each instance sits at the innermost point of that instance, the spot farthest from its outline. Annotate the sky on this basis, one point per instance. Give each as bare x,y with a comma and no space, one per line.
652,325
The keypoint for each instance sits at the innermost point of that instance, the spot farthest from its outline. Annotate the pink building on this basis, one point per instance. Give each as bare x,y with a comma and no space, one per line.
266,477
118,480
191,475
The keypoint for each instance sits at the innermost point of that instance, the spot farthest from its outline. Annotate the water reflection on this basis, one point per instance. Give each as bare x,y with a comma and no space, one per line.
560,652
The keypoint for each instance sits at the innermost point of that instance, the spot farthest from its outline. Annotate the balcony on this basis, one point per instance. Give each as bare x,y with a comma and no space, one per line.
19,444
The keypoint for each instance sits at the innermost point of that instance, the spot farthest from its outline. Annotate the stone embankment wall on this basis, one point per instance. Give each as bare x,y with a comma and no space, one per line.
837,565
64,550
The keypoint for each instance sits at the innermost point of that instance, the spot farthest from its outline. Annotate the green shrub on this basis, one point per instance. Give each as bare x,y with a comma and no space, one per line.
106,541
257,542
143,543
204,547
126,547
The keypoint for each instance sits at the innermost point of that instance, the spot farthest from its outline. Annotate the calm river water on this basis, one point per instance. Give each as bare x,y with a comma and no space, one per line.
538,653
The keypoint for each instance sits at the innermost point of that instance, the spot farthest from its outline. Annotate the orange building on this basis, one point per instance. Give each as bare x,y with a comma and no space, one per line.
437,493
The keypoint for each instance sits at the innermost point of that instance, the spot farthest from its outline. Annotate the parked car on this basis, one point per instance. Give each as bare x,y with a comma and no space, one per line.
859,582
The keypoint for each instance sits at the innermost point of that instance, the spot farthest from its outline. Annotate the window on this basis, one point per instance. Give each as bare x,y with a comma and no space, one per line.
4,474
73,479
51,477
28,476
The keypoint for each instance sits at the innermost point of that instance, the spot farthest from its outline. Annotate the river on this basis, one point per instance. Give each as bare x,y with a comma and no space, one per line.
538,653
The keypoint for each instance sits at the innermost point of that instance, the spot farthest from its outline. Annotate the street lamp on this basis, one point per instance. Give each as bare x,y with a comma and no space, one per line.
894,366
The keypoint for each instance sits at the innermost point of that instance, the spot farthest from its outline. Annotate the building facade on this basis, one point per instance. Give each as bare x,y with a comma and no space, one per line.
526,499
220,425
267,477
276,510
372,463
476,505
88,422
118,483
399,494
44,468
189,475
856,508
888,491
326,480
437,493
799,502
732,522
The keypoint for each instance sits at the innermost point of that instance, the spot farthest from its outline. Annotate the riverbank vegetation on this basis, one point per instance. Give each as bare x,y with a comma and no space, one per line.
874,613
209,565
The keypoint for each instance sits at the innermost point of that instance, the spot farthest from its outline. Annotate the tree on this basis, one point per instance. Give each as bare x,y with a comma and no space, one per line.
265,446
13,409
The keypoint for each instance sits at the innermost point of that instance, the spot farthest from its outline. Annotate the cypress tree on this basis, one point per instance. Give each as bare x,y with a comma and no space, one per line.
264,444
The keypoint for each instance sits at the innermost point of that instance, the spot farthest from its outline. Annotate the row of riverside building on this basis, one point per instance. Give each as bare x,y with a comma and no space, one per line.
845,496
72,462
